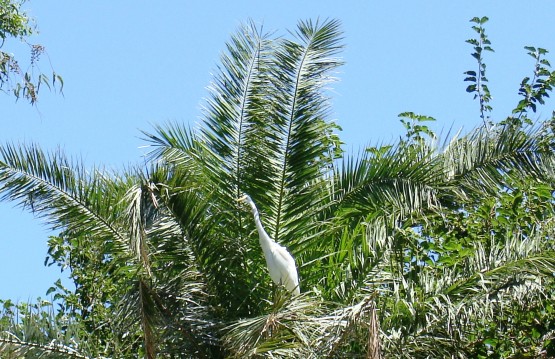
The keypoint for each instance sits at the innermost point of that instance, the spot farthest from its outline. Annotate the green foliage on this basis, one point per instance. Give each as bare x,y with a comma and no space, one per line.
414,249
14,24
36,330
416,131
478,78
535,90
508,226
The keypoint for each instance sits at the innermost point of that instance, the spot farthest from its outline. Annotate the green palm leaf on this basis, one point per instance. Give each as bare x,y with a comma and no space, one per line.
34,330
52,186
235,120
485,161
304,143
397,182
441,310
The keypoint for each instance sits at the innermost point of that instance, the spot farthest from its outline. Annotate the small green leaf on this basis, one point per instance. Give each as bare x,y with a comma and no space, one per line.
530,48
533,106
492,342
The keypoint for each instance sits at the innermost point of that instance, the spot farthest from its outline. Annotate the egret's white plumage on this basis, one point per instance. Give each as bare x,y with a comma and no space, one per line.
281,264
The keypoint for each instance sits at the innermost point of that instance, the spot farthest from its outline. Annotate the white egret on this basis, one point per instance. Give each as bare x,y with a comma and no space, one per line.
281,264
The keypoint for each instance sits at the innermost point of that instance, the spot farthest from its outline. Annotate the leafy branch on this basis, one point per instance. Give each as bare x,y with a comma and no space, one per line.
416,132
534,90
478,78
14,23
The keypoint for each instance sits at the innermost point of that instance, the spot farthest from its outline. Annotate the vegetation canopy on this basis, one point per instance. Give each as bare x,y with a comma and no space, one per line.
22,80
423,248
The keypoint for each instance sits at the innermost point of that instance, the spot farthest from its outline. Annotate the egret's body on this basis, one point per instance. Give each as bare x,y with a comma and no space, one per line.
281,264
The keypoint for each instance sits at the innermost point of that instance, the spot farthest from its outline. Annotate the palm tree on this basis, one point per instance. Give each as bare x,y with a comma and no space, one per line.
265,137
167,265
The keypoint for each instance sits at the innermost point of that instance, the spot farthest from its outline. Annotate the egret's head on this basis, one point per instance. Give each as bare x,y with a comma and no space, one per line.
247,199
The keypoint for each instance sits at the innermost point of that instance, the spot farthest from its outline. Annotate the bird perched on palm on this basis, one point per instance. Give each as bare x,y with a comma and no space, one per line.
280,262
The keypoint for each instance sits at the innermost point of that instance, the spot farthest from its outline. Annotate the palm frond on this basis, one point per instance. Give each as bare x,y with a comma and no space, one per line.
442,309
34,330
303,132
484,161
395,183
54,187
135,213
304,326
173,143
234,127
12,347
498,274
262,334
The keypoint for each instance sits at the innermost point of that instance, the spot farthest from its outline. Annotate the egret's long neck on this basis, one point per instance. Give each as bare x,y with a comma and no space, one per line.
263,237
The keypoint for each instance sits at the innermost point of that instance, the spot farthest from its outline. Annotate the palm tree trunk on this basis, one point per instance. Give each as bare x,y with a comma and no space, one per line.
148,335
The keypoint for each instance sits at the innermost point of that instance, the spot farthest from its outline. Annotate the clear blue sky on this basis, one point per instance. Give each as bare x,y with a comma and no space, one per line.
130,64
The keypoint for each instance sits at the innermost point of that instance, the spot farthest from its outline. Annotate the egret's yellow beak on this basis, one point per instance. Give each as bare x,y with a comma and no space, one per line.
241,199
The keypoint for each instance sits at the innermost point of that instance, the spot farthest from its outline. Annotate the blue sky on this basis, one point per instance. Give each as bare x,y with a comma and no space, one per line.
129,64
